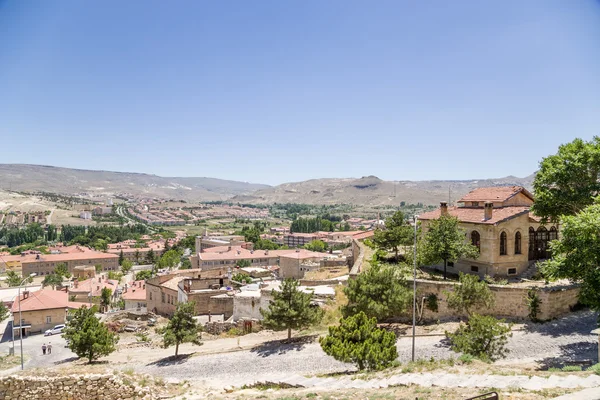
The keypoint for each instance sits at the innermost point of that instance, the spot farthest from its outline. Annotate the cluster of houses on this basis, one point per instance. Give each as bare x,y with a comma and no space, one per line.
497,220
20,218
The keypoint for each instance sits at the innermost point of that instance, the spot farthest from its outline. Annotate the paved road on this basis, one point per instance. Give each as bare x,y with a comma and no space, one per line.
551,343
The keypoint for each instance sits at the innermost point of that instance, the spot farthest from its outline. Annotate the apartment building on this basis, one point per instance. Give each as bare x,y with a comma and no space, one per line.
44,264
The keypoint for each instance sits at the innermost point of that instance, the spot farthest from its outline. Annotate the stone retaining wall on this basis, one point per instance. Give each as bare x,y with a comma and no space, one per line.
511,301
74,387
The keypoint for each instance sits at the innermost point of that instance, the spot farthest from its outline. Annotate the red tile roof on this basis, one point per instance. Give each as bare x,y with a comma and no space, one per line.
363,235
135,291
499,193
45,299
475,215
95,286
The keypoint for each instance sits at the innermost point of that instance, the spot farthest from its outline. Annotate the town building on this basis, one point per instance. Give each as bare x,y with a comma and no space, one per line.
206,242
211,295
41,310
102,210
301,239
499,222
90,290
134,296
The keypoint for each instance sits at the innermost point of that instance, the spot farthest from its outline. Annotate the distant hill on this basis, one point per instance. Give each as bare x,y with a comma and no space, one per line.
34,178
373,191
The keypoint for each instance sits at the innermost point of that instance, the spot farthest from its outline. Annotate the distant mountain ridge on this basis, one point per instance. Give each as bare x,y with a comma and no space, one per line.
34,178
368,190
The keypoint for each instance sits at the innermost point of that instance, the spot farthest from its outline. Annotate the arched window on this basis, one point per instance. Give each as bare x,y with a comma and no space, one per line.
518,243
503,244
553,234
476,240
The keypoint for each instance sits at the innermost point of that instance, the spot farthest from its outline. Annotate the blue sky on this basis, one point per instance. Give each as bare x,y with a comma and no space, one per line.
278,91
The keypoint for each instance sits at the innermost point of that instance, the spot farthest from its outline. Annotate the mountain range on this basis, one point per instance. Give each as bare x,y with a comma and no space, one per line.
368,190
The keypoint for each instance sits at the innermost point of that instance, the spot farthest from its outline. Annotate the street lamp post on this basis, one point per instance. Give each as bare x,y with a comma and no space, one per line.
21,318
414,323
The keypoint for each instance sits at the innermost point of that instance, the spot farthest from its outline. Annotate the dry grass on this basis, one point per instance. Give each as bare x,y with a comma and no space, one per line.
326,273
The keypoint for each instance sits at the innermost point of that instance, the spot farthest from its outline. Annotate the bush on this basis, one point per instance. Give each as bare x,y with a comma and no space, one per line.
484,337
571,368
466,358
533,303
431,302
358,340
595,369
471,293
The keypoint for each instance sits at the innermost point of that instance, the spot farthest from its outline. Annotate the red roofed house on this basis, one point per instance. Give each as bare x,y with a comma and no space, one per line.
42,310
90,290
134,295
499,222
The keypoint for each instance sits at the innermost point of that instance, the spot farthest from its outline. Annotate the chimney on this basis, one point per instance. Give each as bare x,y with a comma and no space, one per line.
144,286
25,294
76,283
443,208
488,207
229,248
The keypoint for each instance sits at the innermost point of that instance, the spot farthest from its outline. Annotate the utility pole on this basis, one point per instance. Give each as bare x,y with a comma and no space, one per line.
414,323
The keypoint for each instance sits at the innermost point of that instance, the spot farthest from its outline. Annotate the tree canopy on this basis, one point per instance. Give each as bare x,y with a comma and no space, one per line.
380,292
88,337
483,337
445,241
169,259
182,327
62,270
567,181
470,293
397,233
316,245
358,340
290,309
576,254
126,266
53,280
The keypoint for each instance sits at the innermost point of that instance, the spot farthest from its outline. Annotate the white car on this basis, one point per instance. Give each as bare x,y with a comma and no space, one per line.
56,330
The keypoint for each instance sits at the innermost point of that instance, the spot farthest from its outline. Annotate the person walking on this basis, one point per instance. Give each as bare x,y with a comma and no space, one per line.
44,349
49,348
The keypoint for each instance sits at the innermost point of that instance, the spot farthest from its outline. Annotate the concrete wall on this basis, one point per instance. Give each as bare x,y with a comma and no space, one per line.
358,255
510,301
247,307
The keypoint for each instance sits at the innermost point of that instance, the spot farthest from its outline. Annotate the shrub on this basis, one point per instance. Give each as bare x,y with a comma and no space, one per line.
466,358
595,369
470,293
533,303
358,340
484,337
431,302
571,368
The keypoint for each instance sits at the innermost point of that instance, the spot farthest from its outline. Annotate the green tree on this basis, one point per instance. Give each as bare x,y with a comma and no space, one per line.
358,340
136,256
169,260
445,241
243,263
316,245
121,257
397,233
13,279
182,328
150,257
380,292
88,337
105,298
53,280
62,270
126,266
4,312
242,278
483,337
567,181
185,263
98,268
290,309
101,244
576,254
470,293
143,275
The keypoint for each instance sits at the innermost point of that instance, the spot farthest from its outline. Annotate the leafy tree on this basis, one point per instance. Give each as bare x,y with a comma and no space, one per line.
167,247
88,337
121,257
316,245
169,260
445,241
358,340
101,244
290,309
150,257
380,292
105,297
98,268
126,266
567,181
62,270
136,256
4,312
265,244
13,279
182,328
576,254
53,280
241,278
397,232
185,263
243,263
483,337
470,293
143,275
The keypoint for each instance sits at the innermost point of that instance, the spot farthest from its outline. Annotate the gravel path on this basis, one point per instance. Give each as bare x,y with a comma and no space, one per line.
551,343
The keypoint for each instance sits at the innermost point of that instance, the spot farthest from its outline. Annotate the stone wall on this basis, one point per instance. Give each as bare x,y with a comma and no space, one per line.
358,254
510,301
80,387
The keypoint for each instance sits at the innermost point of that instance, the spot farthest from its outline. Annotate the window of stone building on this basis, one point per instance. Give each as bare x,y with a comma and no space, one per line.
512,271
503,244
518,243
475,204
150,295
48,319
450,264
162,295
476,239
474,268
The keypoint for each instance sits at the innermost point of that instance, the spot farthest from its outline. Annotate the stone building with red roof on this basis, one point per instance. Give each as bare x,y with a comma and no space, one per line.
498,221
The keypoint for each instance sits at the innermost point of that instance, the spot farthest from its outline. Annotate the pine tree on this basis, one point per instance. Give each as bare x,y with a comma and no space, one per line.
150,257
88,337
470,293
358,340
290,309
182,328
121,257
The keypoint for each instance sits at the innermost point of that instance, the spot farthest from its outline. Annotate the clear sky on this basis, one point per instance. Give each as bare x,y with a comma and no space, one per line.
278,91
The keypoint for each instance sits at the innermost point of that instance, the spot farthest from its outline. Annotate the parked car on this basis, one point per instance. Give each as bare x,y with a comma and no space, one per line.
58,329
